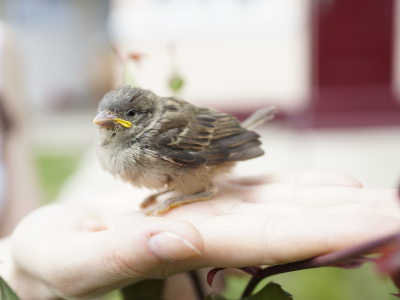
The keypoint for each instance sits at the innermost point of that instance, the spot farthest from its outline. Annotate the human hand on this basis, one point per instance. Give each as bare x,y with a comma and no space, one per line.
79,252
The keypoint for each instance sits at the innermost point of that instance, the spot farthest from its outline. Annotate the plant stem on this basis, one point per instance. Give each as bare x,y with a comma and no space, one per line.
338,258
250,286
197,284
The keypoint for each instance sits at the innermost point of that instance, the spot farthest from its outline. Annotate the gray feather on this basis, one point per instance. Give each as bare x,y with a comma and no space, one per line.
259,117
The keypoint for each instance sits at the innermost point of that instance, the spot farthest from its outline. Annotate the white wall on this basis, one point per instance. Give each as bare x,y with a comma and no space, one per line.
230,53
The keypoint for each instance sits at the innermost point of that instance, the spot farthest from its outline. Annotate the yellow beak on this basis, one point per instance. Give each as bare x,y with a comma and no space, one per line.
106,119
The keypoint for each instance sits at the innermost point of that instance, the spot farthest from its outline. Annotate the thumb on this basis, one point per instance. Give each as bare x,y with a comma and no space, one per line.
141,246
82,265
135,251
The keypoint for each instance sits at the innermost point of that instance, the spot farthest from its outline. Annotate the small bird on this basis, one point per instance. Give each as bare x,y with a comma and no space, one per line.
170,145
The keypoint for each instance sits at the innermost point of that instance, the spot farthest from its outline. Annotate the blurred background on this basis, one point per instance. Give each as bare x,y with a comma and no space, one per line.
332,67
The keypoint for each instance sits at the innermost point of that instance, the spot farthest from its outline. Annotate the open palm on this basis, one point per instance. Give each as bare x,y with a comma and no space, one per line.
83,251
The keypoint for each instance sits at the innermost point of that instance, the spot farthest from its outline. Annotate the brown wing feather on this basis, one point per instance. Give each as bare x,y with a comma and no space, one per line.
194,136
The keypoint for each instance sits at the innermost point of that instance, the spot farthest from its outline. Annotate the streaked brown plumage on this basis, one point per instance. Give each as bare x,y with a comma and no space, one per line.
168,144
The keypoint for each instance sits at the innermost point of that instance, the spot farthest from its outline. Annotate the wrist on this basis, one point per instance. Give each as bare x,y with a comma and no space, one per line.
27,287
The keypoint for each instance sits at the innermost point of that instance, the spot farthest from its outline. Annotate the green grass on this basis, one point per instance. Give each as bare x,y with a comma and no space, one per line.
53,169
324,284
115,295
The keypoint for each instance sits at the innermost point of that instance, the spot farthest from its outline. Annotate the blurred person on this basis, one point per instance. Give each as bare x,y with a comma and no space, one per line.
97,239
16,169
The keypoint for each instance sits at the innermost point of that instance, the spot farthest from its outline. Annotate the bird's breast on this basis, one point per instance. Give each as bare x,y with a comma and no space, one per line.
134,165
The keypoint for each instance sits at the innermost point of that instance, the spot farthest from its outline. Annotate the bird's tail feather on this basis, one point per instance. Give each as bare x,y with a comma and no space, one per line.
259,117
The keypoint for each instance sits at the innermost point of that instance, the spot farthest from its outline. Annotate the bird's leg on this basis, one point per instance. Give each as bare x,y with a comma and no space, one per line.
185,199
152,198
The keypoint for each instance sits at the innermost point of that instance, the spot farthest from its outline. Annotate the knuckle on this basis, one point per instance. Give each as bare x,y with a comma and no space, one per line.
119,263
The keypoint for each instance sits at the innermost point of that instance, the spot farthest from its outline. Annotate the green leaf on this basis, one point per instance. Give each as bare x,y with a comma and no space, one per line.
215,296
6,292
271,291
128,77
176,82
150,289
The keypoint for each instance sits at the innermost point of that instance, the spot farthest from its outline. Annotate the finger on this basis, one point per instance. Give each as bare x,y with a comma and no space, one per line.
228,206
321,196
105,259
240,208
309,177
250,240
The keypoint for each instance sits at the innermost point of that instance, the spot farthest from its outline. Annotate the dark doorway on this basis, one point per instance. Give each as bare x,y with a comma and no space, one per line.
353,61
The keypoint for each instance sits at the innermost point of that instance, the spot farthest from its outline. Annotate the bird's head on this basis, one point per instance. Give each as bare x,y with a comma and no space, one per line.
124,113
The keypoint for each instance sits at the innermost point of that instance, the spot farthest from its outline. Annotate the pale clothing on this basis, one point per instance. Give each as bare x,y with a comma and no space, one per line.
2,179
2,168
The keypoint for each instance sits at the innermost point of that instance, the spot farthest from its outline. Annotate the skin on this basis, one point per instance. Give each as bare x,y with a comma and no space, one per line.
79,252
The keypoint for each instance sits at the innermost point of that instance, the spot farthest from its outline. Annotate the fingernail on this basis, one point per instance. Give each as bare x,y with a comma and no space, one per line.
170,246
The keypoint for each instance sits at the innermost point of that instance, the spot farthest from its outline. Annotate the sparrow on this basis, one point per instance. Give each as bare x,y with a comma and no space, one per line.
170,145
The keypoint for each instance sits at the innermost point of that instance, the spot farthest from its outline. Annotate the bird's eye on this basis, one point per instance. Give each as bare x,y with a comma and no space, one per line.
132,113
